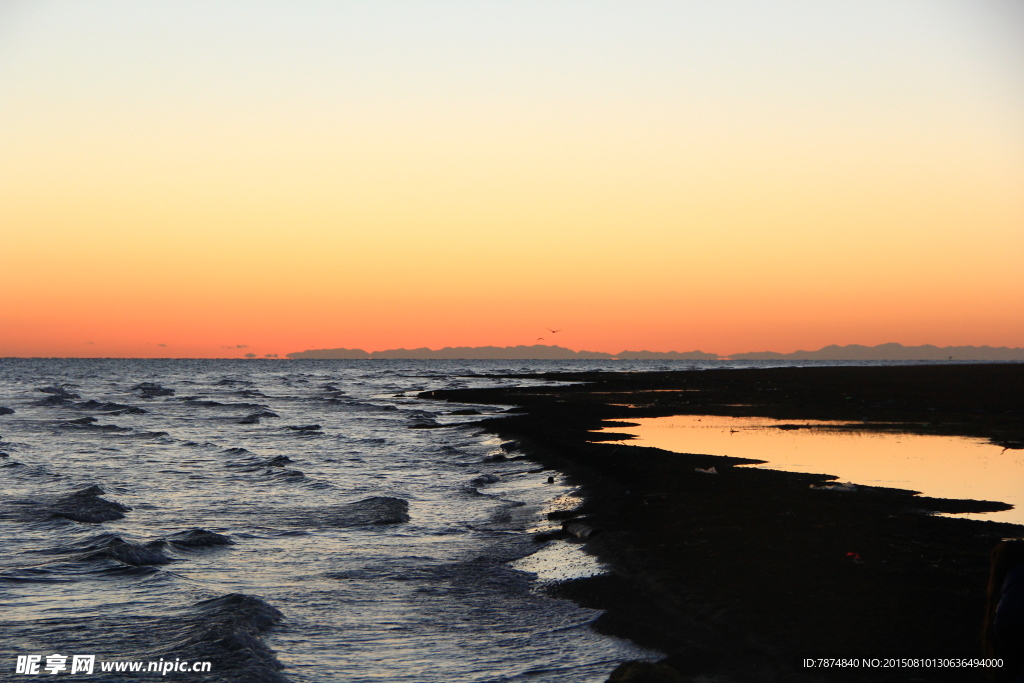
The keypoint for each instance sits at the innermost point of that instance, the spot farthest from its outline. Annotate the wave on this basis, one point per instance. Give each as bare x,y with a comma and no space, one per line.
254,418
109,407
367,512
198,538
485,479
305,430
59,391
285,475
91,423
52,401
113,547
152,389
196,402
87,506
228,632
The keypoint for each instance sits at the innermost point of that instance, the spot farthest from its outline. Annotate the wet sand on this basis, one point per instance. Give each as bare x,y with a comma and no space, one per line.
743,575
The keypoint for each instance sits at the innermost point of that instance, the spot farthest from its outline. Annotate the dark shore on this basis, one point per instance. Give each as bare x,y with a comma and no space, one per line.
740,577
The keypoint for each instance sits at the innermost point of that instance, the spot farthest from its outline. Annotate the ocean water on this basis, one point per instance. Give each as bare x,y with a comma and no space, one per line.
305,521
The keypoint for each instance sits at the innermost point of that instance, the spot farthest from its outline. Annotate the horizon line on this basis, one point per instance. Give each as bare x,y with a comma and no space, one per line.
881,352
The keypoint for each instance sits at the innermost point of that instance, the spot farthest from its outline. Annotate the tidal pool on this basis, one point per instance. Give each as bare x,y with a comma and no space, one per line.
937,466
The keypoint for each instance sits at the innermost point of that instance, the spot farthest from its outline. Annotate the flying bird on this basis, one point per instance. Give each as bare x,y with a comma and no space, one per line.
540,338
551,330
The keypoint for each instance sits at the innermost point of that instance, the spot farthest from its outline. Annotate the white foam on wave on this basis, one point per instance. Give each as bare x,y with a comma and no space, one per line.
560,561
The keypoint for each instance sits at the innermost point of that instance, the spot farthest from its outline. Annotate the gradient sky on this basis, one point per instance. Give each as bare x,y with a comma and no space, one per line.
186,178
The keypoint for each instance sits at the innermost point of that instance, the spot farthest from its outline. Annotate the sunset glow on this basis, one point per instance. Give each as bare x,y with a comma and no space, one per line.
211,179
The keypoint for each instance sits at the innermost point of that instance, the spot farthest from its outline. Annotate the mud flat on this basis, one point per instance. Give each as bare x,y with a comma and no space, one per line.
745,574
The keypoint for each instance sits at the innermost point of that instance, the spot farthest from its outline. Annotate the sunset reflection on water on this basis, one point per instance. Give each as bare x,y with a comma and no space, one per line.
937,466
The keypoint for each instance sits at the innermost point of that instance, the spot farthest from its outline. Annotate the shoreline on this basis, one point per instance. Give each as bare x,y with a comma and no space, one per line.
741,577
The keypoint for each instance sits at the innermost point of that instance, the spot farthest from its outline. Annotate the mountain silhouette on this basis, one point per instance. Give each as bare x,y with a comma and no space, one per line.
891,351
534,352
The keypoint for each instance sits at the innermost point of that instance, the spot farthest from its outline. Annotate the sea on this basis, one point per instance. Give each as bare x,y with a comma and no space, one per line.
306,521
309,521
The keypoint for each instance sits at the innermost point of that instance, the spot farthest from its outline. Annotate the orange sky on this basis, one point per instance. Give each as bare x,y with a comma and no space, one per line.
443,174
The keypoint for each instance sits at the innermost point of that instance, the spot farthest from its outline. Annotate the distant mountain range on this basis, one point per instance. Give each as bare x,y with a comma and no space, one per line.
545,352
892,352
535,352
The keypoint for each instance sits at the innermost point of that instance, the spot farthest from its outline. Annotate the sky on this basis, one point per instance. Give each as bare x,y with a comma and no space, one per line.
208,178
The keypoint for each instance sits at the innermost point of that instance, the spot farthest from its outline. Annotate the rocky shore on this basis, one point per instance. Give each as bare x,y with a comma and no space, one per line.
743,576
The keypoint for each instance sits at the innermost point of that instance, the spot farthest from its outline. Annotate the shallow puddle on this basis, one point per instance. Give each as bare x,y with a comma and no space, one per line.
938,466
